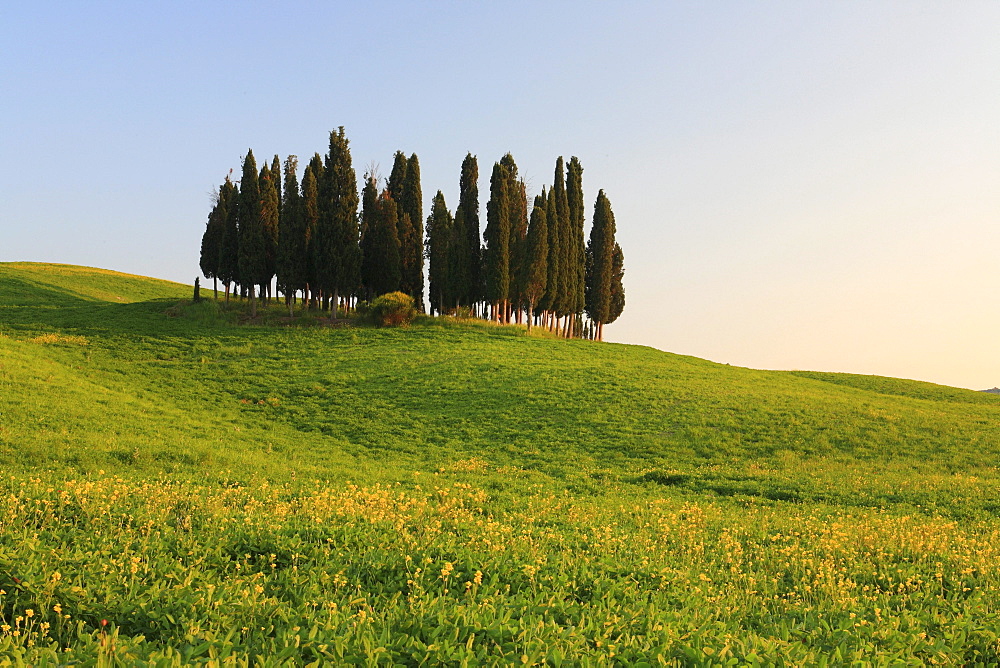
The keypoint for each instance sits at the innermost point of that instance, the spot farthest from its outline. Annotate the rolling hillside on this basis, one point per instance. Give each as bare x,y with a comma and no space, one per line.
117,382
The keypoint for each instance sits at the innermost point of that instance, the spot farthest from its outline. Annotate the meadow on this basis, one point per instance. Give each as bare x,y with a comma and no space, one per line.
181,487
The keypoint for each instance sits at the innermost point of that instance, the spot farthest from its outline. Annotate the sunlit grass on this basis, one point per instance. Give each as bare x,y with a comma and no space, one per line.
458,491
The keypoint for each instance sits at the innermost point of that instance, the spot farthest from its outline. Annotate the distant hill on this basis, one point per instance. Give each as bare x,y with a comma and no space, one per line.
995,390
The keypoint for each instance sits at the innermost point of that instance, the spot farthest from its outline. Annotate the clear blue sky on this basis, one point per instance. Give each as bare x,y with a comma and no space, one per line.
796,184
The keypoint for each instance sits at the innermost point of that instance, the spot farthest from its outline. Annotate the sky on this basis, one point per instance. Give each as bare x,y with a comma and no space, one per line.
796,184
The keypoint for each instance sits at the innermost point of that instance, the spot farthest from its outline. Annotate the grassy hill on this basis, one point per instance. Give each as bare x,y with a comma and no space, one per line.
322,494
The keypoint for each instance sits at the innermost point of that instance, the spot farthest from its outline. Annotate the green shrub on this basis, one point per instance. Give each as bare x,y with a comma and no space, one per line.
393,309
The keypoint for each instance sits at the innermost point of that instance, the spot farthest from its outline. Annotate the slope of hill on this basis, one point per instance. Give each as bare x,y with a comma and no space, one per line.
563,472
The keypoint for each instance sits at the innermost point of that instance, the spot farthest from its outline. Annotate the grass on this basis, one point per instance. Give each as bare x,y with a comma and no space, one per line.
219,491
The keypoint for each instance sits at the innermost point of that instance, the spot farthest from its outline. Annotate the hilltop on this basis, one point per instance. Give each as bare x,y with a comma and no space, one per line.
439,391
130,405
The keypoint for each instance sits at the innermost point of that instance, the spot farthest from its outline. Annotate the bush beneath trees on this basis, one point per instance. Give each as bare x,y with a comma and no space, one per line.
392,309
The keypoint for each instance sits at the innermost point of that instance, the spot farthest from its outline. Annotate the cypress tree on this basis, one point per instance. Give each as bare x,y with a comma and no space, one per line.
439,237
563,300
276,177
518,236
471,289
310,212
385,260
397,177
600,261
337,254
536,256
292,241
411,205
369,267
228,267
252,235
270,210
211,243
617,287
496,255
578,248
550,299
458,264
410,242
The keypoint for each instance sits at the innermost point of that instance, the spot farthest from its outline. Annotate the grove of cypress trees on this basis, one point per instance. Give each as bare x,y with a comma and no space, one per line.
252,235
535,257
467,224
228,268
600,263
315,241
439,237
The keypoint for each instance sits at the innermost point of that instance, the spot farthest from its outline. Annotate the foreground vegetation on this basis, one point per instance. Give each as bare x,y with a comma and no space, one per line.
182,488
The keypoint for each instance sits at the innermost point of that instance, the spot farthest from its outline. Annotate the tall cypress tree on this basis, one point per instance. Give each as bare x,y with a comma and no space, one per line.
270,210
535,257
397,177
600,263
550,299
563,301
518,240
311,177
409,241
292,241
439,237
229,249
467,224
369,266
385,261
211,242
337,254
617,287
252,235
496,255
578,247
276,177
413,255
458,264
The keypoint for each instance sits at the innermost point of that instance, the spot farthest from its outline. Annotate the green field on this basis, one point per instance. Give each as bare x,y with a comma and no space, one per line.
180,487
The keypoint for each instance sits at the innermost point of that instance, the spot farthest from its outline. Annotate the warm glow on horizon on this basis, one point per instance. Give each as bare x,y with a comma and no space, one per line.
796,185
